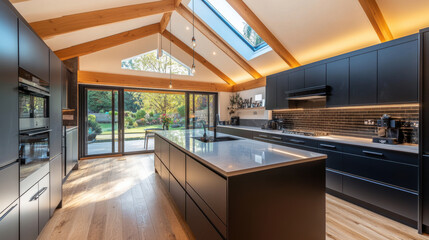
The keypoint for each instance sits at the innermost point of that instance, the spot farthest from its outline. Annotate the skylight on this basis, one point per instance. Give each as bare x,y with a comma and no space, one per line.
226,22
149,62
236,22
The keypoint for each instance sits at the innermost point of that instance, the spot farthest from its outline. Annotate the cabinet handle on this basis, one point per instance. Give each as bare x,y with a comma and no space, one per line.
38,194
297,141
263,135
373,153
328,146
277,138
8,211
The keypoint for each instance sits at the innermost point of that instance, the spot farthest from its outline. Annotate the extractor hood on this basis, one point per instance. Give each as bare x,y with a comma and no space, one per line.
310,93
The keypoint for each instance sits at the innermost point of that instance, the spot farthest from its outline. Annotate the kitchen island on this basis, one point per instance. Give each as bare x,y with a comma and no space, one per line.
241,188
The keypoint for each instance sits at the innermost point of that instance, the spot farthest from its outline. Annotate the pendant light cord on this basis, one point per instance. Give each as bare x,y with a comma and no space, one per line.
171,51
193,32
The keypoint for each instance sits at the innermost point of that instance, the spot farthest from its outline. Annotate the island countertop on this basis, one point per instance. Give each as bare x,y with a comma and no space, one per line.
230,158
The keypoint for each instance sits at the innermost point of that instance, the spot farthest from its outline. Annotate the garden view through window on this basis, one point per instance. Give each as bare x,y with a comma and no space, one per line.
150,62
124,120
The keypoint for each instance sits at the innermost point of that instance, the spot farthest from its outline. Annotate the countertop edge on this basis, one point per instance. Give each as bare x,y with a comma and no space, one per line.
244,171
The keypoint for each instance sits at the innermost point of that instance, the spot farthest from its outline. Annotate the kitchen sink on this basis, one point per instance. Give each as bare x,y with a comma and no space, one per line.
218,139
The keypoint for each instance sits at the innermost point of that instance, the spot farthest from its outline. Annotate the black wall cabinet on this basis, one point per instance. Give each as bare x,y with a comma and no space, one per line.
281,88
270,93
315,76
296,80
363,79
338,80
9,85
398,73
33,53
55,109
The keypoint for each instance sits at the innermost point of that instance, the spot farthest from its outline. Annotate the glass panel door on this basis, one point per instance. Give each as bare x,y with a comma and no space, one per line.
101,126
202,109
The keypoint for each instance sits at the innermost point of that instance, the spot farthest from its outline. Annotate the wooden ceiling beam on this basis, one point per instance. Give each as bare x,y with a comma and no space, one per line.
109,79
198,57
107,42
218,41
257,83
377,20
75,22
256,24
167,16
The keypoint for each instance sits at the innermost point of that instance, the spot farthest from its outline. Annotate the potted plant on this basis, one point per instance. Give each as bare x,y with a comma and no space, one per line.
166,121
235,102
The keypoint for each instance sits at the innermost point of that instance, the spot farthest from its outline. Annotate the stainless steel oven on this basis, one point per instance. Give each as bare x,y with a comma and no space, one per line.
33,150
33,104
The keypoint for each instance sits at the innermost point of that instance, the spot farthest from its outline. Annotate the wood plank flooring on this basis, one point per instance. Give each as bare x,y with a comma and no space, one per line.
122,198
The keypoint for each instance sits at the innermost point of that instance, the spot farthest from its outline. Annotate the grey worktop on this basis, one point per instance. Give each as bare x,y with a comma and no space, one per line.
365,142
237,157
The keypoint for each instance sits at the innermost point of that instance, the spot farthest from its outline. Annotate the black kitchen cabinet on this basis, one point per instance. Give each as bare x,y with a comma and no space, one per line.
71,149
8,86
179,195
296,80
363,79
33,52
270,93
315,76
398,73
334,181
9,222
44,206
56,179
281,88
199,224
55,108
29,214
178,165
338,81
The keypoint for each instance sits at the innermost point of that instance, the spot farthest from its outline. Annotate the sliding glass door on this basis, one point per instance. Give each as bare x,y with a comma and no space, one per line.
121,121
102,133
202,109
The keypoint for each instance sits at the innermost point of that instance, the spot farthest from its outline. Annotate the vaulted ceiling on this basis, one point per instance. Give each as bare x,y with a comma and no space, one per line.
299,32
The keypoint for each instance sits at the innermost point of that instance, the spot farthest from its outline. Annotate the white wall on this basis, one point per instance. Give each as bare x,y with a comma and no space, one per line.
223,101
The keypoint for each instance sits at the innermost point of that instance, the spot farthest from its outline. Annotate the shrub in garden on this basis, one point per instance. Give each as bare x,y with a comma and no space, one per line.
140,114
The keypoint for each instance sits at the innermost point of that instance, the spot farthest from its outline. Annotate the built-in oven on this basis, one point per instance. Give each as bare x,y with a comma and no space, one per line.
33,103
33,123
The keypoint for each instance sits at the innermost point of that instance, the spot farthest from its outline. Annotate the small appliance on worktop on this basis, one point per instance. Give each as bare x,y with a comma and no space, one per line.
393,131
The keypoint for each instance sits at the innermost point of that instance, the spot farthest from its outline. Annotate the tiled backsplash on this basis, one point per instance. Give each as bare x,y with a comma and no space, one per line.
345,121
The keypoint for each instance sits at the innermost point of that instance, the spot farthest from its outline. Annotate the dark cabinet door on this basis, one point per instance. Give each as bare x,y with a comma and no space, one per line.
398,73
29,214
315,76
71,149
281,88
56,186
425,190
363,79
296,80
178,165
44,206
178,194
199,224
8,85
9,185
338,81
33,53
9,222
55,109
270,92
334,181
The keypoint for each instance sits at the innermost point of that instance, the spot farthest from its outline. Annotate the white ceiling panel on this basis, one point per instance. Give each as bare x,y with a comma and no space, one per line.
90,34
37,10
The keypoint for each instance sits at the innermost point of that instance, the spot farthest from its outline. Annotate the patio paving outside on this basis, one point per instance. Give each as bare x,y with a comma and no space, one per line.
97,148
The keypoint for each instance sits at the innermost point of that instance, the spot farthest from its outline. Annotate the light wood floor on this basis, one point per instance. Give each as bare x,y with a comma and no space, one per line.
122,198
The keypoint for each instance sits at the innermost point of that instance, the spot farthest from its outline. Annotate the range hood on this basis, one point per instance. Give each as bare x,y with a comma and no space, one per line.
310,93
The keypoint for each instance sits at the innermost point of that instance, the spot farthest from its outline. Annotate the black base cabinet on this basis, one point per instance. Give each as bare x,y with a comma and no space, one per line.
380,180
55,185
257,205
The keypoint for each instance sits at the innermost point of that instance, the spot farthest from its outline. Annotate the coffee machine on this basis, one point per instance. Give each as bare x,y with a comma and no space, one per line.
388,131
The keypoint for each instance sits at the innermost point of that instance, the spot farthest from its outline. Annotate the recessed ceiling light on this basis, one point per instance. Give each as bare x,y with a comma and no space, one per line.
187,28
214,53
